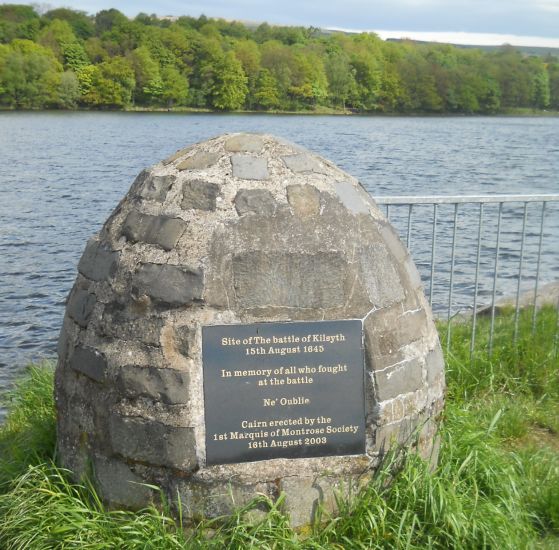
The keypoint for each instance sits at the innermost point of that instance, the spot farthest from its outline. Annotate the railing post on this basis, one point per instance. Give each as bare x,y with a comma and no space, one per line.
480,225
517,308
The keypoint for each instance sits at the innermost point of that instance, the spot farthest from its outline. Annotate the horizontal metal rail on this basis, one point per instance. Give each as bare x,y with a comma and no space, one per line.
463,199
472,248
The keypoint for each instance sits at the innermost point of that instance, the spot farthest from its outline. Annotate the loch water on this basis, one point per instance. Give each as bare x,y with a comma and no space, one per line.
61,175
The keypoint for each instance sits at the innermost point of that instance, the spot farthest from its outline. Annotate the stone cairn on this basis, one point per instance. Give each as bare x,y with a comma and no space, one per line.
242,228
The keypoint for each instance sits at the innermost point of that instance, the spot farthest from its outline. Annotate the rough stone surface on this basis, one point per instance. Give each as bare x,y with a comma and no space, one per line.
166,385
156,187
98,263
289,280
350,197
435,366
198,161
249,143
160,230
259,201
304,199
238,229
402,378
147,441
200,195
304,163
184,339
173,285
250,168
176,156
127,324
90,362
80,306
120,486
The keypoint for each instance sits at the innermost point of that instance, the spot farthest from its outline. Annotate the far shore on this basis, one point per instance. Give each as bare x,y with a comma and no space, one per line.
323,111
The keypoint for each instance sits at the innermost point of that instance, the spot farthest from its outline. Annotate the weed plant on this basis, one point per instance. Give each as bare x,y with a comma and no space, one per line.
496,484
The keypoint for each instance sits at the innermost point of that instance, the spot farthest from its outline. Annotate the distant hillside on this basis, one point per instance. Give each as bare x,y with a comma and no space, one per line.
69,59
526,50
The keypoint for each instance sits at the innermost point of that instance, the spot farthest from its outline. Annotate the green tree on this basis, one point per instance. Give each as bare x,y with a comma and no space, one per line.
266,92
29,76
553,75
85,76
105,20
224,82
175,87
69,90
341,80
74,56
419,83
540,86
309,85
18,21
514,80
149,85
248,53
82,24
55,36
112,84
95,50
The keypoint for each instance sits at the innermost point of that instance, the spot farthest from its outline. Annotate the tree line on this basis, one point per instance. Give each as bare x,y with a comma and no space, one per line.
68,59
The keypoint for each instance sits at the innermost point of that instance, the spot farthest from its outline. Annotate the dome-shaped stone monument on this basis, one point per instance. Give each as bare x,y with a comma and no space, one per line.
246,322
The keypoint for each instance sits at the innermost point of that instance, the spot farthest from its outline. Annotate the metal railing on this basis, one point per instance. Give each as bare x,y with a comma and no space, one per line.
472,250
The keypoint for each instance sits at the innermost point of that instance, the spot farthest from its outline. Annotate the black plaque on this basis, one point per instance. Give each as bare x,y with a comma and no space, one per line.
283,390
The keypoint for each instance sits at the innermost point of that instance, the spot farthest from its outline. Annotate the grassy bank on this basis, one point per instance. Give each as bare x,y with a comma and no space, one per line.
496,486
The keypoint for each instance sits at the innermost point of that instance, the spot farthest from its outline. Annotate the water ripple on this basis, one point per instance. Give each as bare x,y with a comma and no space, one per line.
56,192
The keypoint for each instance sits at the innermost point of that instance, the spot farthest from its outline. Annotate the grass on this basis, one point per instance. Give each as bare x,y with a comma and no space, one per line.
496,485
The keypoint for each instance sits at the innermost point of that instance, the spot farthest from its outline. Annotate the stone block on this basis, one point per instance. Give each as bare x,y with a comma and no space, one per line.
184,339
303,163
119,486
176,156
434,365
283,279
90,362
393,242
126,323
199,195
166,385
80,306
380,276
66,339
304,199
248,143
406,432
156,187
98,261
201,499
170,284
413,274
307,497
259,201
250,168
139,182
350,197
199,161
402,378
412,325
159,230
152,442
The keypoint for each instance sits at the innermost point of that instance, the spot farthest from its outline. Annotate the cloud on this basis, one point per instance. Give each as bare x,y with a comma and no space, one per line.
474,39
548,5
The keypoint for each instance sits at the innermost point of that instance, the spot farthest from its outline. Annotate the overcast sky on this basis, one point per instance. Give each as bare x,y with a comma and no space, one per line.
532,18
